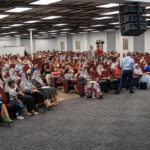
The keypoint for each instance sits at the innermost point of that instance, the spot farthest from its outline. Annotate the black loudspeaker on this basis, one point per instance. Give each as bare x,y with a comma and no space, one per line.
132,19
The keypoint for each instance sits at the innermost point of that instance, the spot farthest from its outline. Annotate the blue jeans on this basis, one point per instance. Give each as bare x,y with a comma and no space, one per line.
20,106
126,74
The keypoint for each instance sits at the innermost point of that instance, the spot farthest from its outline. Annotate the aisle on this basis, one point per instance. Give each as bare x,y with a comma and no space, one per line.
117,122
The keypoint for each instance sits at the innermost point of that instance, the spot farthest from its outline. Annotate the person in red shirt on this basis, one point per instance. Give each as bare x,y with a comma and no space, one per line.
100,51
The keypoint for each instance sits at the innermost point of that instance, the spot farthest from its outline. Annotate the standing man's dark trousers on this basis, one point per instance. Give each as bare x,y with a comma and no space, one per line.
126,74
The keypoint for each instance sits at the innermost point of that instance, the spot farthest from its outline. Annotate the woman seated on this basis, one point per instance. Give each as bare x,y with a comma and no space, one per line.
147,69
45,73
26,99
92,89
100,68
144,77
4,113
49,92
27,87
69,75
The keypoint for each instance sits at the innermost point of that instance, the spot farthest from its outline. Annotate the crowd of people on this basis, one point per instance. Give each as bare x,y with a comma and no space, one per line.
28,82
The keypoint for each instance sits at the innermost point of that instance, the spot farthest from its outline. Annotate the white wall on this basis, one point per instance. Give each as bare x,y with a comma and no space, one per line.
44,44
58,40
147,41
85,39
39,44
9,41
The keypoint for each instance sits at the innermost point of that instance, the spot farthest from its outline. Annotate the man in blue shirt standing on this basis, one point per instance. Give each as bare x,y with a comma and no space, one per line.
127,65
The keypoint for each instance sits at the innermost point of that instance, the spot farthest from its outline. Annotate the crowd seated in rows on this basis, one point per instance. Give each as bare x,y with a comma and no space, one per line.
27,82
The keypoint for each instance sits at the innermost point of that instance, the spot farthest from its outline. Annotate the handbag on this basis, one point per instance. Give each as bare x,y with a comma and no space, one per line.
143,85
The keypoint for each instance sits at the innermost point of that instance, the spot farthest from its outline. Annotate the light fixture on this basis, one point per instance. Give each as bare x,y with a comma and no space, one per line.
57,25
88,29
147,15
3,16
5,33
108,30
97,25
102,18
53,31
45,2
82,32
83,27
72,33
32,21
16,25
31,29
65,29
114,23
63,32
148,7
51,17
110,5
5,27
147,19
95,31
110,13
12,32
42,32
18,9
25,34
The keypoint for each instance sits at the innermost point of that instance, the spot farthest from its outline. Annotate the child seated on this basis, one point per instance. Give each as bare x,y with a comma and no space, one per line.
14,100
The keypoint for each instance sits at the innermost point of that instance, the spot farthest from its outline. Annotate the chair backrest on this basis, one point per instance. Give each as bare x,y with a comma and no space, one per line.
12,66
4,96
95,76
116,73
18,82
107,74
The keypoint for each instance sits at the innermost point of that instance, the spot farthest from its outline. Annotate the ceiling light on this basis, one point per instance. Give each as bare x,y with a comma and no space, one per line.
25,34
18,9
53,31
42,32
83,27
109,30
31,29
4,33
147,19
3,16
82,32
97,25
72,33
95,31
51,17
114,23
102,18
5,27
110,13
147,15
88,29
45,2
32,21
57,25
16,25
12,32
65,29
63,32
110,5
148,7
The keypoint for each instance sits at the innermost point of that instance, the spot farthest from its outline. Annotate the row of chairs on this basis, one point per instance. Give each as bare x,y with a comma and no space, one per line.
108,81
